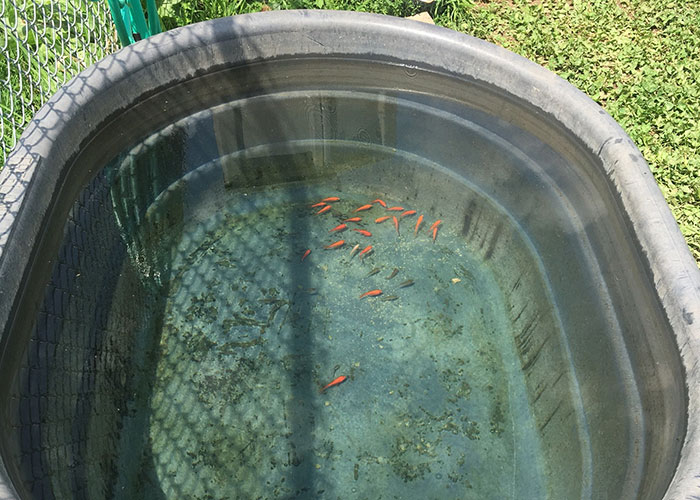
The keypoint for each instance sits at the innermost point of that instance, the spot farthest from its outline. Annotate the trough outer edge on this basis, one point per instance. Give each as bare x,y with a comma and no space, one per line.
46,146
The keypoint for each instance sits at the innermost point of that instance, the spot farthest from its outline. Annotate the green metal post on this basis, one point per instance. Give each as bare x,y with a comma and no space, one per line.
129,19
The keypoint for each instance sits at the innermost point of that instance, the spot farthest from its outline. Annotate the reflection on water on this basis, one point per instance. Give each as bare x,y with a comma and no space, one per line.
435,404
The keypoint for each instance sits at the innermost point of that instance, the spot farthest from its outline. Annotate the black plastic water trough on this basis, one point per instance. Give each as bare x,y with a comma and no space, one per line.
547,348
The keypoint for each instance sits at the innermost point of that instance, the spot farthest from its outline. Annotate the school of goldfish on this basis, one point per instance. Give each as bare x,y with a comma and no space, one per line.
325,206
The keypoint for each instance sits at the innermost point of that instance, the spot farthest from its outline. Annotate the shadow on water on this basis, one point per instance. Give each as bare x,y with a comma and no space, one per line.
93,359
210,398
303,409
199,413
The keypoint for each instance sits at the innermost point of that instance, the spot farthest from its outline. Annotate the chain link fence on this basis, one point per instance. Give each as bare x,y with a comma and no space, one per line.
44,44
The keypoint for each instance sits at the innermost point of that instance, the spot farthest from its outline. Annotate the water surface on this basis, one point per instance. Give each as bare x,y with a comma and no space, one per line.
434,405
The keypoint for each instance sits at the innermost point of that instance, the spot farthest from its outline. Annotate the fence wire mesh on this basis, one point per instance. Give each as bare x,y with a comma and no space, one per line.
45,43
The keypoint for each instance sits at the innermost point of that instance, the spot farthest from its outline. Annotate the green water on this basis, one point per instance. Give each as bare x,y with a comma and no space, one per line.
434,405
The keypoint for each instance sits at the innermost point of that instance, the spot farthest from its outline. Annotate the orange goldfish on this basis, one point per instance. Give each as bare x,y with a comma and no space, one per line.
324,209
337,381
435,233
367,249
381,219
363,207
408,212
435,224
338,228
337,244
363,232
381,202
371,293
331,198
420,219
396,223
353,219
306,254
395,209
319,204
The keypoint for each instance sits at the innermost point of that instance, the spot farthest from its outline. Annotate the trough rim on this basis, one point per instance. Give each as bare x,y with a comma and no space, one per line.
65,123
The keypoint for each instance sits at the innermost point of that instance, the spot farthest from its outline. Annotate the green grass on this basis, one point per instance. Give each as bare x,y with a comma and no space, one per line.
640,60
175,13
46,42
